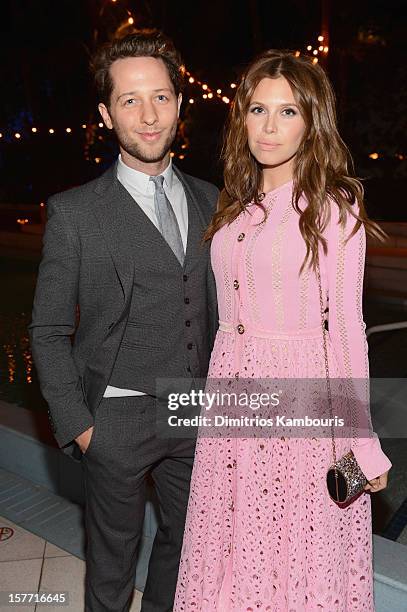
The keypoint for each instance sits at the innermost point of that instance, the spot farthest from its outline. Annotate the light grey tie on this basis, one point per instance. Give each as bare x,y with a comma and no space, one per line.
167,221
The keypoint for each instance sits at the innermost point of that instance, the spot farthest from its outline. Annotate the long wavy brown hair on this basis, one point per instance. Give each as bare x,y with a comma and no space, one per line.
323,167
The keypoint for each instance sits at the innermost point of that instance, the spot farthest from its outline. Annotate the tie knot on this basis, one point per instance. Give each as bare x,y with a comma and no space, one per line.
157,180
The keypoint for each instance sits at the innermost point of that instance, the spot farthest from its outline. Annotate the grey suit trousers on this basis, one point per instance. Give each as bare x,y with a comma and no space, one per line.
124,450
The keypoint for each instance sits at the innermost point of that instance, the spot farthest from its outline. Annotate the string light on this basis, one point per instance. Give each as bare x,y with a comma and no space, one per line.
374,156
319,48
207,92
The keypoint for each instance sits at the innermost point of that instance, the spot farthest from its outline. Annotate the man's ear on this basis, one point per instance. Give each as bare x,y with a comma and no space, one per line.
179,102
105,116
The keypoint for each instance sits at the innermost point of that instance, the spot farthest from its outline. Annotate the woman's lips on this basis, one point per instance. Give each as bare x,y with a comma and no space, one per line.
268,146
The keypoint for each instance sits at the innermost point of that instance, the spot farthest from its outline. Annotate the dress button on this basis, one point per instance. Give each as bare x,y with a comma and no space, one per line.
189,346
236,284
240,237
186,300
188,323
240,329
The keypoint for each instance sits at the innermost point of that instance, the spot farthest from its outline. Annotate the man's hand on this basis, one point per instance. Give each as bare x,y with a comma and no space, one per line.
83,440
377,484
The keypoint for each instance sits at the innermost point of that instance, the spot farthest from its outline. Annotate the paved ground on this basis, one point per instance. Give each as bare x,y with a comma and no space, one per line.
30,564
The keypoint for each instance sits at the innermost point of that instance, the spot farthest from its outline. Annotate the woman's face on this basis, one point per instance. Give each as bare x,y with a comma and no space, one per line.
275,127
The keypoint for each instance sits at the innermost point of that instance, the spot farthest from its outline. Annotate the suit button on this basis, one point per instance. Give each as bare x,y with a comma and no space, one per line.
186,300
188,369
188,323
185,278
189,346
236,284
240,329
241,237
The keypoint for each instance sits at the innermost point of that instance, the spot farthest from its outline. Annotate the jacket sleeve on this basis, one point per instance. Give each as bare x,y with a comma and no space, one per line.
345,269
53,323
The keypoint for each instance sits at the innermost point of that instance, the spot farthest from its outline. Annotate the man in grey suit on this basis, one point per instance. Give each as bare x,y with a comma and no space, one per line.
125,295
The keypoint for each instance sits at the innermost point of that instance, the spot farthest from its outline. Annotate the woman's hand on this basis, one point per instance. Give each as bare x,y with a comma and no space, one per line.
377,484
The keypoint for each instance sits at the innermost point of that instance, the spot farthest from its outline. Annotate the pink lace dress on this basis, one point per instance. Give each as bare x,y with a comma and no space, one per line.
261,532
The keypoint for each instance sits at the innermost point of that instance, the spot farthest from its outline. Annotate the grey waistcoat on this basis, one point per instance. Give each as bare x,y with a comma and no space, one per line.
167,331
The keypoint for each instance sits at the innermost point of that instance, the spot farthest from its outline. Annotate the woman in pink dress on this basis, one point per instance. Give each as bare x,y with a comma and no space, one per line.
262,533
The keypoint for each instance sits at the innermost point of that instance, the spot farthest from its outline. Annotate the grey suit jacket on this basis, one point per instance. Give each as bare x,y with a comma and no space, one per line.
73,353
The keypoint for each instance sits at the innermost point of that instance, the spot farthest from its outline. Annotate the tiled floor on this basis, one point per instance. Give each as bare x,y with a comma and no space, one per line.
30,564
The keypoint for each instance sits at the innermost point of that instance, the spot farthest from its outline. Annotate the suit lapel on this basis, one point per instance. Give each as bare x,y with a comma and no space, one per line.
117,231
203,213
197,222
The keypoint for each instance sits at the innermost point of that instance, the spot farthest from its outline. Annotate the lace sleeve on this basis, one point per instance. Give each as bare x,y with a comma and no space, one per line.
345,271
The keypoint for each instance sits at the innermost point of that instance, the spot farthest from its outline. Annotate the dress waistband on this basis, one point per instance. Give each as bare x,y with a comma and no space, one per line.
251,330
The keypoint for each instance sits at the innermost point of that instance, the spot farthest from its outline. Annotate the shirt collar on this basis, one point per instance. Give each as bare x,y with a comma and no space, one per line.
139,180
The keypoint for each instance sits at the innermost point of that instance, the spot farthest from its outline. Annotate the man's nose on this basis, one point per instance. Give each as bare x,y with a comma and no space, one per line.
148,114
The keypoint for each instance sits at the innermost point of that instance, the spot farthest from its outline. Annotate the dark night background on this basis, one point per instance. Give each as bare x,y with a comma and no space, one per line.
45,47
45,50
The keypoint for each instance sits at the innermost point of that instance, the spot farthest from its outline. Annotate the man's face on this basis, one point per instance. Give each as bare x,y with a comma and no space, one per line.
143,110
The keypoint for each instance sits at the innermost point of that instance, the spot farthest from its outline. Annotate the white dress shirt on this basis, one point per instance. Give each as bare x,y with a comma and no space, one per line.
142,190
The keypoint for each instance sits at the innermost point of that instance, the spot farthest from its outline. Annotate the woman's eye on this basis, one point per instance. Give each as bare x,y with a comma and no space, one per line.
289,112
162,98
256,110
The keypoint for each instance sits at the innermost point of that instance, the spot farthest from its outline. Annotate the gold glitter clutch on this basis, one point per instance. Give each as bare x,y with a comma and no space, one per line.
345,480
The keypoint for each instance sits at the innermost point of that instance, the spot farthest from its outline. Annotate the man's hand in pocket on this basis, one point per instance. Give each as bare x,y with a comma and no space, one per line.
83,440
